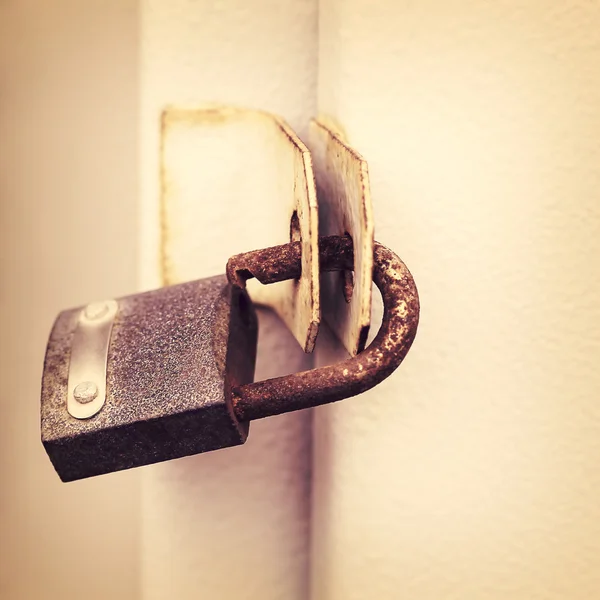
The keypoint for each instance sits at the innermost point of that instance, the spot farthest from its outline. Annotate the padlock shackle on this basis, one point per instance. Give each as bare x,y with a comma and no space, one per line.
349,377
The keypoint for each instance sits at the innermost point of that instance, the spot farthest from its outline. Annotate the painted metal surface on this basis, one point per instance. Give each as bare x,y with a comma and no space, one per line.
204,144
345,208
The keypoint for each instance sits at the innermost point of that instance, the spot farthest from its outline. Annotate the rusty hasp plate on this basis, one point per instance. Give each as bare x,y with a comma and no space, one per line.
246,168
345,208
352,376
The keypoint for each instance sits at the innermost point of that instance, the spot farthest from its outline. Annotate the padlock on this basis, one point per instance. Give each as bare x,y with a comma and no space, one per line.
146,378
168,373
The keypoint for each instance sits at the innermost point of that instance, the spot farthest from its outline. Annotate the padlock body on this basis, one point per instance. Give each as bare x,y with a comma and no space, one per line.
173,357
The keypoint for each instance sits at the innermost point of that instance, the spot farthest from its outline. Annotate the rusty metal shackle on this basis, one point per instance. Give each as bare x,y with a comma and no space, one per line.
349,377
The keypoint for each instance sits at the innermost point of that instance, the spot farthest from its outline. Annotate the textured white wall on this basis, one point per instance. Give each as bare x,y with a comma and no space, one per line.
232,523
473,472
68,187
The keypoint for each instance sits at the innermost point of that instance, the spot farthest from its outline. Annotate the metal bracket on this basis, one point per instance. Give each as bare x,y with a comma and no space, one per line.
219,157
349,377
86,390
344,209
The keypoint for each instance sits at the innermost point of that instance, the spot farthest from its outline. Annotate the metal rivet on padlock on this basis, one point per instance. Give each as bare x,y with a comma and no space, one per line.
168,373
85,392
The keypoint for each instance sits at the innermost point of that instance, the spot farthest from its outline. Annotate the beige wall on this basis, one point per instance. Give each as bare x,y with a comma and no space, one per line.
473,472
68,188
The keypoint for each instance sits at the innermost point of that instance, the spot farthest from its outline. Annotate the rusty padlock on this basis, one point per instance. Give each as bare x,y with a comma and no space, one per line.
168,373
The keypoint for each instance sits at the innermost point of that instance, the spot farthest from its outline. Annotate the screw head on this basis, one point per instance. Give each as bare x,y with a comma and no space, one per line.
85,392
96,310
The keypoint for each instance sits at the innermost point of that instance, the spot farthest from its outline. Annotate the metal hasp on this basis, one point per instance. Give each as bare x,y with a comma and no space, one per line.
352,376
